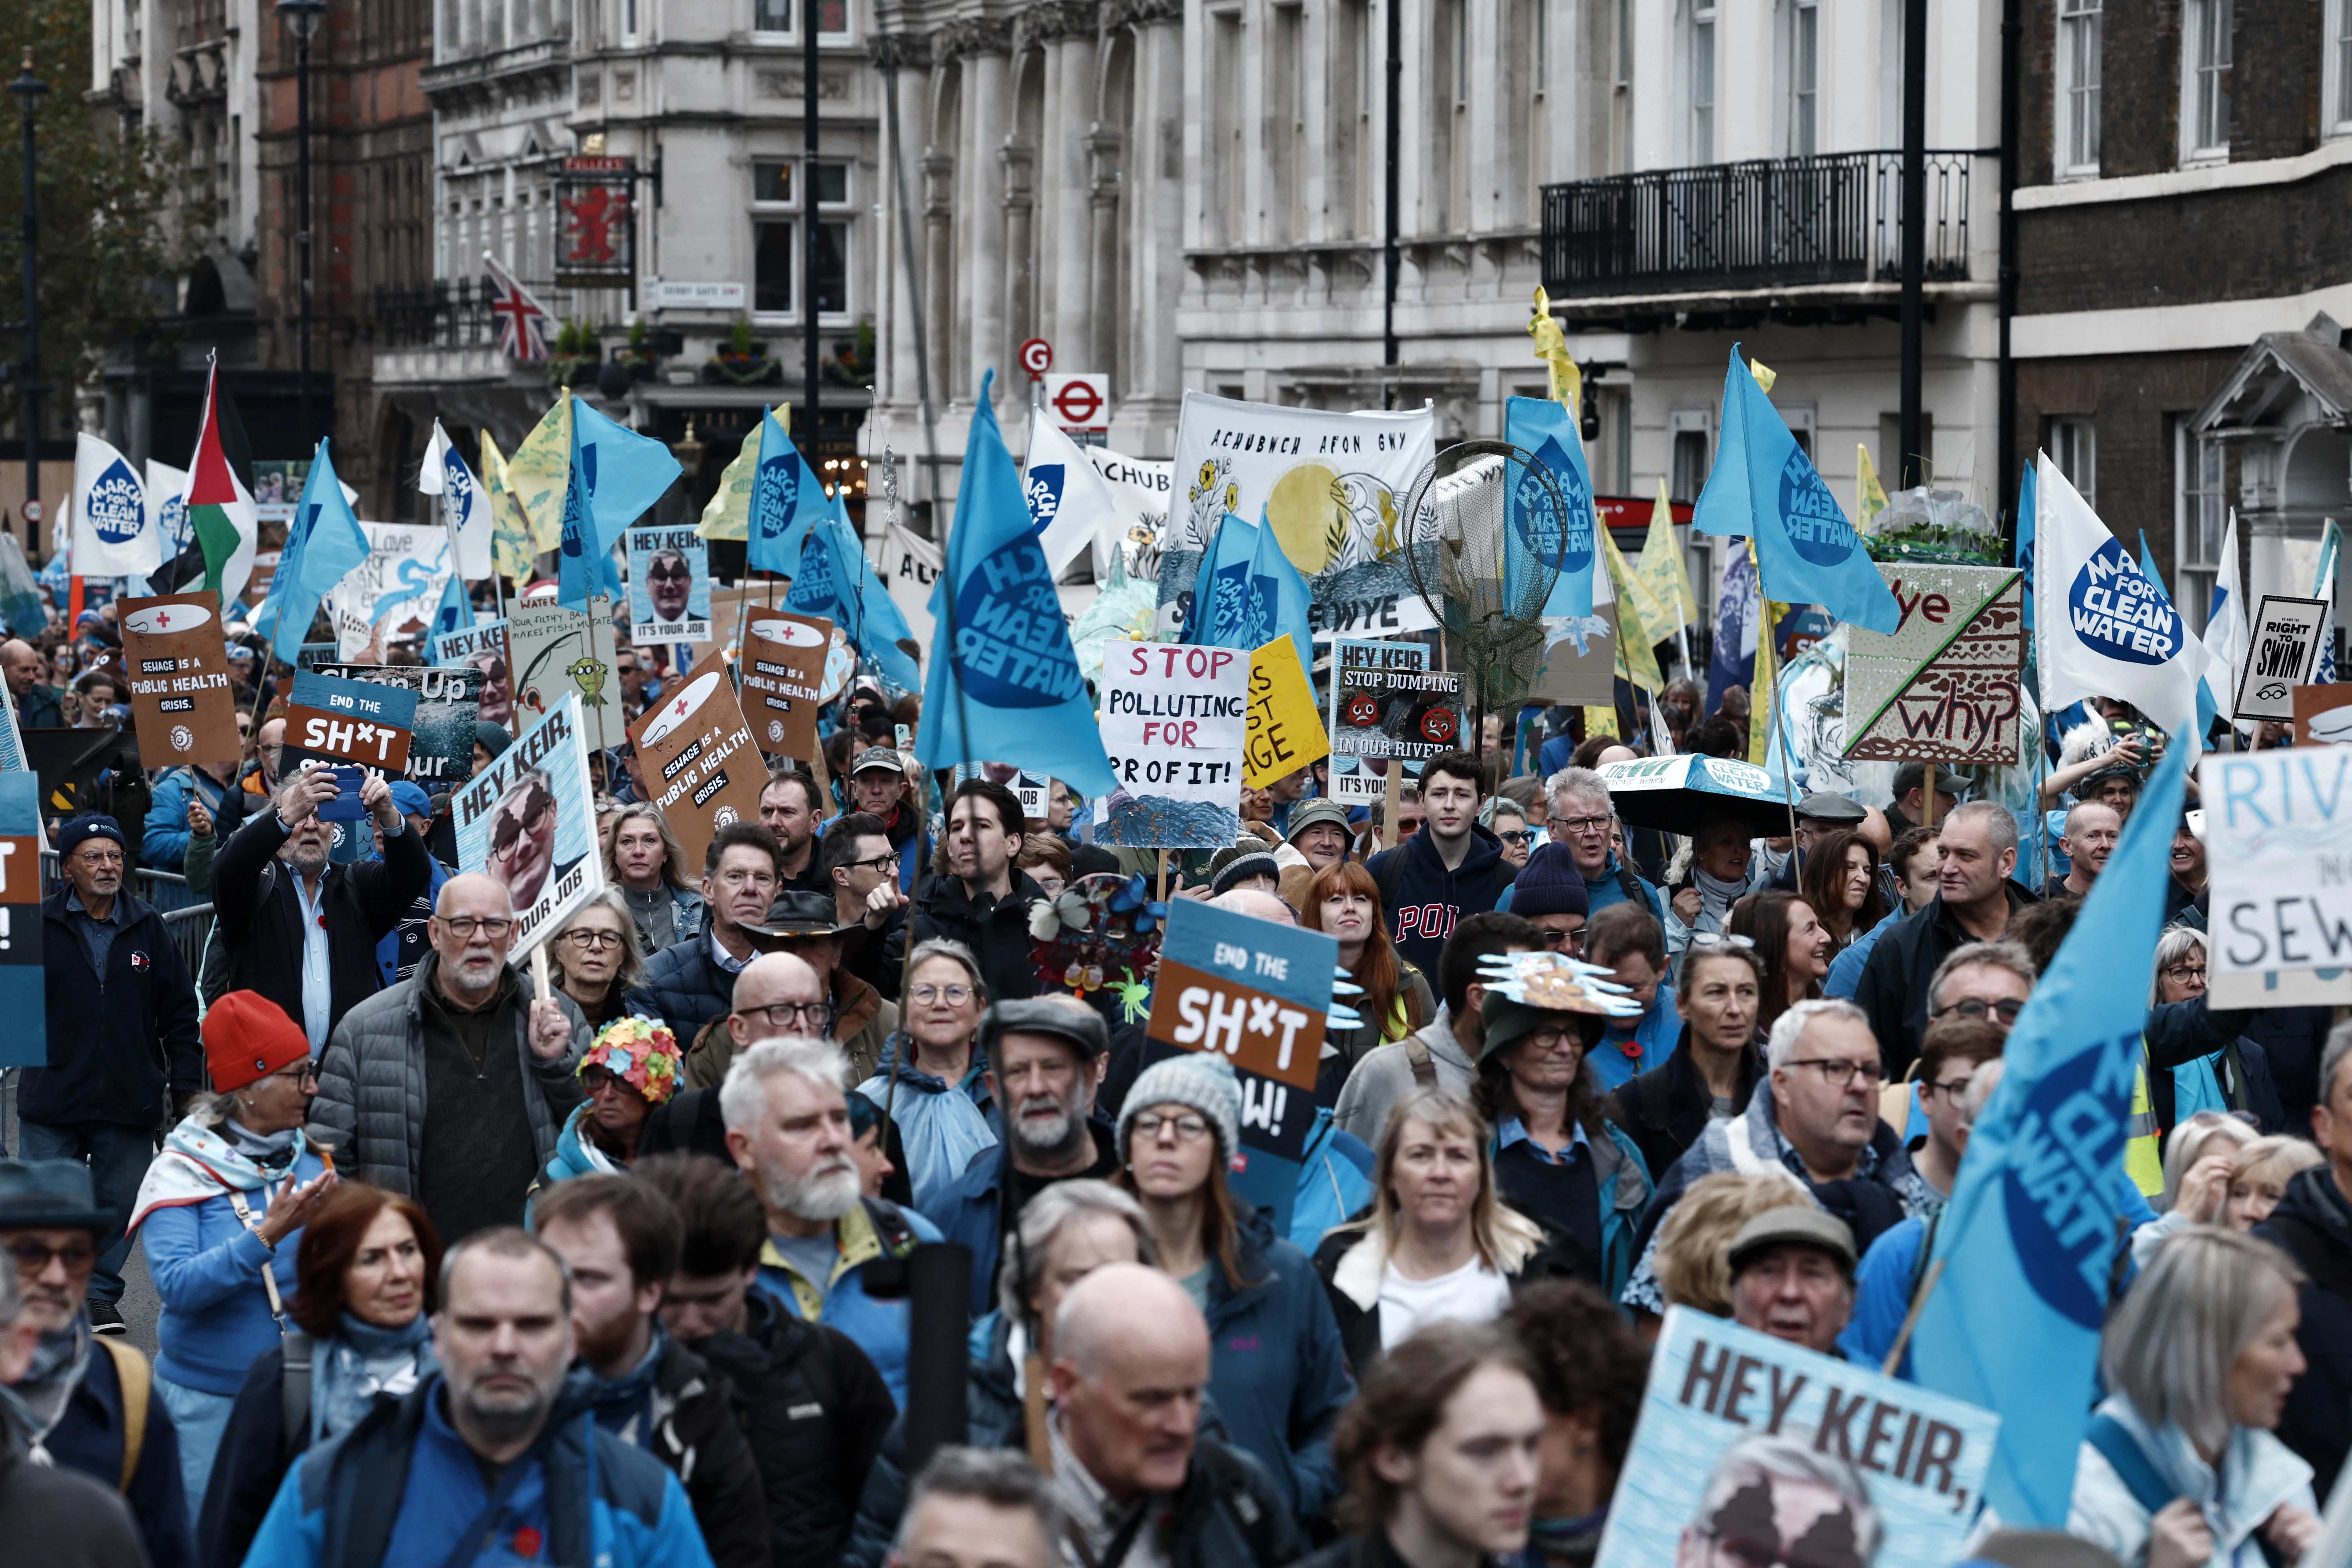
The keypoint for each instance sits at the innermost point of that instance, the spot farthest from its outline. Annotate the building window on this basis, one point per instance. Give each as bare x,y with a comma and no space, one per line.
772,16
2205,80
774,245
2078,77
1804,79
831,274
1687,475
2200,517
2336,70
773,19
776,196
2074,447
1698,81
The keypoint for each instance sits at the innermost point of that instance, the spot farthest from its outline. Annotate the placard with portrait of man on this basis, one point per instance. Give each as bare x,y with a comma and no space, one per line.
528,820
669,585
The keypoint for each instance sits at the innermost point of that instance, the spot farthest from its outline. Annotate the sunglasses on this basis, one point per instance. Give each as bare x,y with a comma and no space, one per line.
513,824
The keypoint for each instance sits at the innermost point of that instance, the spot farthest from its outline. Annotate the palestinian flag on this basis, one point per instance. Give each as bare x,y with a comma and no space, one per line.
223,530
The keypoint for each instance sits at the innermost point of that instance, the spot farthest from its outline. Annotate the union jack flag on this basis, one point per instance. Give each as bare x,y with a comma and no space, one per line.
523,320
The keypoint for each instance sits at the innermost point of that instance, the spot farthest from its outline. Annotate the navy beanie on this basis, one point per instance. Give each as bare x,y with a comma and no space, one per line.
1550,884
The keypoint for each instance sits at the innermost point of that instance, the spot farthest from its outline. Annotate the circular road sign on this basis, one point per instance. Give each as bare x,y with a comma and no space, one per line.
1036,356
34,510
1078,401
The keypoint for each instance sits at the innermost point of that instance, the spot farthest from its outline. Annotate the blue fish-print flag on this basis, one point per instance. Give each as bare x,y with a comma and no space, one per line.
616,477
322,545
1764,487
1004,684
2024,557
1538,534
2029,1236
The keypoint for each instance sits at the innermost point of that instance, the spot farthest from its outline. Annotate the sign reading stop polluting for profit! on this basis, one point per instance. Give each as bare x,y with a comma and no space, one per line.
1036,357
1080,401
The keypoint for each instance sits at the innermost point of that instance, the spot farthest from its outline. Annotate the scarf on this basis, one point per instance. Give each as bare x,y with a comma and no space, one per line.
36,1401
1567,1543
199,1163
1715,897
360,1362
625,1403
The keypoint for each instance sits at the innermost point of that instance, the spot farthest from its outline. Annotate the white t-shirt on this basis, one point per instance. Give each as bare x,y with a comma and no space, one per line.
1473,1293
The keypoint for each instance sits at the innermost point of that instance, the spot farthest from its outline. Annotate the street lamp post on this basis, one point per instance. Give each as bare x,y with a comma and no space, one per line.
303,15
28,90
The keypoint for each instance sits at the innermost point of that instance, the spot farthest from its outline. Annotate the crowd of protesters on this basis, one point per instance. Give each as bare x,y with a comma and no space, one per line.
455,1272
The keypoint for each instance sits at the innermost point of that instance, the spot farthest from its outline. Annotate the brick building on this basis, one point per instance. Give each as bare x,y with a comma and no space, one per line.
2185,249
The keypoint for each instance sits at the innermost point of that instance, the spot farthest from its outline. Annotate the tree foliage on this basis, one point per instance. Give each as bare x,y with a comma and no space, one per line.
109,235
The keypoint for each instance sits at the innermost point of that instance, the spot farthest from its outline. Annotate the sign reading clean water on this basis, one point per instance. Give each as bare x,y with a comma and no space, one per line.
2118,612
117,504
2278,837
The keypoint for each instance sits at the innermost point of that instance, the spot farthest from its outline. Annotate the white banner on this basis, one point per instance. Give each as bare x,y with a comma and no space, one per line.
2278,847
1332,486
909,564
394,591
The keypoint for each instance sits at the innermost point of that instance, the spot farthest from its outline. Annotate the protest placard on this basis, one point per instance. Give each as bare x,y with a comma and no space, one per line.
181,703
1333,488
1173,721
390,596
909,564
528,820
2278,850
1286,731
784,656
349,720
1258,992
483,647
1744,1437
554,651
1580,658
441,732
669,585
1944,686
2282,653
1360,780
2323,716
23,997
695,753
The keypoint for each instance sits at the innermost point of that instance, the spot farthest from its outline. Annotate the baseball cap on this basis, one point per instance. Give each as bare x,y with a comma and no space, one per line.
874,757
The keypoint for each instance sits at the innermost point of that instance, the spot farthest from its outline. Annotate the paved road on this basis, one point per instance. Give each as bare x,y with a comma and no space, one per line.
140,1304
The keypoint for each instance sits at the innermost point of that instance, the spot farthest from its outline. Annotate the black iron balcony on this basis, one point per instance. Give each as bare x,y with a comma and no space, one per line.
451,314
1770,223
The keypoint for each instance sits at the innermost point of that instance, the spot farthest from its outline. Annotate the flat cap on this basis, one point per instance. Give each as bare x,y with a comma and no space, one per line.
1061,1018
1823,805
1793,1224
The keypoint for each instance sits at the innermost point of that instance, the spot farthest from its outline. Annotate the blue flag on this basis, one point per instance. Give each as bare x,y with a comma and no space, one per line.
2147,568
616,477
323,542
1764,487
2023,559
1539,535
787,499
1003,684
454,614
1219,614
832,578
2012,1323
1279,600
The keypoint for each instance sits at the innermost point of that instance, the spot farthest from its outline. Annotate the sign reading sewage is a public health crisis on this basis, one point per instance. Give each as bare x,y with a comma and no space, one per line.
1174,721
1750,1439
180,697
697,756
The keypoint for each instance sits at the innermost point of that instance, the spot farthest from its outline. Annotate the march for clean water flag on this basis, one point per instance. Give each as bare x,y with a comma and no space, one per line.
1763,486
833,581
616,477
1068,496
112,534
1539,534
786,501
1220,617
465,505
323,542
2102,628
2029,1236
1004,684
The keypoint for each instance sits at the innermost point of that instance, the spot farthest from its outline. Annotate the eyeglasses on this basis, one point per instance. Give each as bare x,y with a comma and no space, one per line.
2182,973
953,995
877,863
1951,1089
1517,838
1571,940
2006,1009
1189,1129
302,1072
1580,825
1839,1073
592,1079
536,802
1549,1039
463,927
809,1017
1719,939
33,1257
586,938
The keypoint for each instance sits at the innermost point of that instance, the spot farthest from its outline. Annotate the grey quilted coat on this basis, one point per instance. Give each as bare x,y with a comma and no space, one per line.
371,1103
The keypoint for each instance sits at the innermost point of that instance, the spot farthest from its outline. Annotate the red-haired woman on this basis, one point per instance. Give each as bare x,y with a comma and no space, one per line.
365,1273
1344,902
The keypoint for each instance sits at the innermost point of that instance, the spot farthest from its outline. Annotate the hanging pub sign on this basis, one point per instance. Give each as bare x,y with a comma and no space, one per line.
595,246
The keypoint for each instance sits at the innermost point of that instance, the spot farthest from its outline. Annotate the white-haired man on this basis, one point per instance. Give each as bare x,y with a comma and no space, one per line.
1580,819
786,1103
1814,1116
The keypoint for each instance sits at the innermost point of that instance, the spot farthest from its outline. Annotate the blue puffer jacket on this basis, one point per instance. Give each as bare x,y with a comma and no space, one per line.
1277,1370
403,1487
684,987
575,1155
1334,1180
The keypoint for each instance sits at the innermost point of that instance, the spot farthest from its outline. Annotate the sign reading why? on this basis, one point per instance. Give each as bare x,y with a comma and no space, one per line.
2278,842
1173,721
180,697
1793,1456
350,722
1255,993
697,757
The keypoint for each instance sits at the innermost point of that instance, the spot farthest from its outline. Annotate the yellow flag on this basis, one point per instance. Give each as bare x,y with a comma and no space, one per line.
1601,720
729,515
1764,373
1660,567
1764,691
1637,658
511,551
540,473
1551,346
1869,496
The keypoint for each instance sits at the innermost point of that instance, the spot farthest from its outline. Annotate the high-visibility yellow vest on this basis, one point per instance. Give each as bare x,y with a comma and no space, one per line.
2143,1152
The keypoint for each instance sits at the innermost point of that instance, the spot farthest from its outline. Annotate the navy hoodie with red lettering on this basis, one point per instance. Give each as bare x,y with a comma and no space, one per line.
1422,902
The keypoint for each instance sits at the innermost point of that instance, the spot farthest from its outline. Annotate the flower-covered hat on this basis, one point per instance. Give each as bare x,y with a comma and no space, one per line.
641,1053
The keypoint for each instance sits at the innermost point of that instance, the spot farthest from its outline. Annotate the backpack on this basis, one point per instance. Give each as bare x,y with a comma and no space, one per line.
137,1379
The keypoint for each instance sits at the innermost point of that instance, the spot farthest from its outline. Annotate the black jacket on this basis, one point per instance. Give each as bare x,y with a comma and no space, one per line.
1422,902
89,1439
250,1461
2315,1224
813,1410
696,1435
879,957
260,915
1664,1110
123,1047
684,988
1894,988
997,934
2179,1032
65,1520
